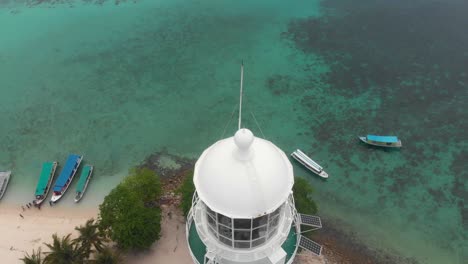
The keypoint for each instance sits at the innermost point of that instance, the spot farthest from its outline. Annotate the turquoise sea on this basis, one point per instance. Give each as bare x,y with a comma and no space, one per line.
119,80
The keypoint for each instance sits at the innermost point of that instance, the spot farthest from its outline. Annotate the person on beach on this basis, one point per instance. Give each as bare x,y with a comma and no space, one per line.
27,205
22,207
21,216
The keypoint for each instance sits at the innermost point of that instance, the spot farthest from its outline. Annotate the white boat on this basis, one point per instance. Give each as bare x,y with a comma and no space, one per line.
4,179
313,166
66,177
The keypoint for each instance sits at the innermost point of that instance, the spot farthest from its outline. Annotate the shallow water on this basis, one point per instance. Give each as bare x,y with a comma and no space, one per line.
119,82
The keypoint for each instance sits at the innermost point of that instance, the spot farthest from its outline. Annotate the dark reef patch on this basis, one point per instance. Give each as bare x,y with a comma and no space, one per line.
348,249
167,165
410,54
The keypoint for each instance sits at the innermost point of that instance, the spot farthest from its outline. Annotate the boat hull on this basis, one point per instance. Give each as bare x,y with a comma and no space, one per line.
322,173
384,145
56,197
5,184
49,184
79,196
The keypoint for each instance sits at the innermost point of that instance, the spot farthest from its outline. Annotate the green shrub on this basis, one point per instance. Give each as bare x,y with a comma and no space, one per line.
125,216
302,192
187,189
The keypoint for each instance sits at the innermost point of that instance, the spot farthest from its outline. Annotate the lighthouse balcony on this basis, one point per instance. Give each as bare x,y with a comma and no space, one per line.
278,247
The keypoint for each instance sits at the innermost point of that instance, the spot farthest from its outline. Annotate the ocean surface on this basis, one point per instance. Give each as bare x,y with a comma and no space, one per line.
119,80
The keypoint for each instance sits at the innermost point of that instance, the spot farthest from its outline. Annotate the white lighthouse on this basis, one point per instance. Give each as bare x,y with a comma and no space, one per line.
243,207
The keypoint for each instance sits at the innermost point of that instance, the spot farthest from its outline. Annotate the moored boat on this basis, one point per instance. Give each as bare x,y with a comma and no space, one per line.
66,177
313,166
382,141
4,179
45,182
83,182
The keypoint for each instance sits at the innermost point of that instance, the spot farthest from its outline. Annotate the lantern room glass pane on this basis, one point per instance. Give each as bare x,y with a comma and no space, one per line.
211,221
242,223
225,231
259,221
222,219
210,212
259,232
242,234
225,241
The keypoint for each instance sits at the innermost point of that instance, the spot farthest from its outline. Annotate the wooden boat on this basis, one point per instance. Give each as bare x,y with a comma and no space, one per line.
382,141
313,166
45,182
83,182
4,179
66,177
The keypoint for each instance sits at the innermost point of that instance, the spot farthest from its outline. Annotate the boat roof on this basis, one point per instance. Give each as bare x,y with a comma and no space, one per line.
387,139
307,159
83,178
66,172
47,168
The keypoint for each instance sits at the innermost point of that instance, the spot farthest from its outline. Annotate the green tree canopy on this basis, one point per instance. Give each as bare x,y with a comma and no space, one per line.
186,190
108,256
89,237
63,251
302,192
144,182
124,216
34,258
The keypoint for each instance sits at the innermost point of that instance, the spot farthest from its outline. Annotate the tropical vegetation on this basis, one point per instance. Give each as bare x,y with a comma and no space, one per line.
186,190
129,215
302,192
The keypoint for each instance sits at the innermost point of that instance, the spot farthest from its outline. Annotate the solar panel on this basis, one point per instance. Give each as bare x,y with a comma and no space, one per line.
311,220
310,245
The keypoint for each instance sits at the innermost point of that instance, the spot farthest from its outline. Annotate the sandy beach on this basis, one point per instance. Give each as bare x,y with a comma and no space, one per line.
20,235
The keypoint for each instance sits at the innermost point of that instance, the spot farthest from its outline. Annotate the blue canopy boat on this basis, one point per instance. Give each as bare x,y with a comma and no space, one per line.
66,176
382,141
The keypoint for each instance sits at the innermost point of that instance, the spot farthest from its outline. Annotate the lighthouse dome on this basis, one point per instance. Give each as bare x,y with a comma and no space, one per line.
243,176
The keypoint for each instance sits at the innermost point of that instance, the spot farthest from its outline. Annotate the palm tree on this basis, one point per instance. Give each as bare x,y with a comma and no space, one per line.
108,256
63,251
89,236
34,258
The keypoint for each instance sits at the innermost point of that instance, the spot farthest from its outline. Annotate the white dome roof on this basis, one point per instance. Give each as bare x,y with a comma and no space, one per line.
243,176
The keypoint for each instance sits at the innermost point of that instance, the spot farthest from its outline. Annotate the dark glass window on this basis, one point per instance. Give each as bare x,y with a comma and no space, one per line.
242,223
210,212
259,232
259,221
225,241
224,220
211,221
241,234
225,231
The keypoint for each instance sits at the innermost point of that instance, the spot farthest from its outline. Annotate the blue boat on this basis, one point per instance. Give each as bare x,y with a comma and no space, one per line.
382,141
66,177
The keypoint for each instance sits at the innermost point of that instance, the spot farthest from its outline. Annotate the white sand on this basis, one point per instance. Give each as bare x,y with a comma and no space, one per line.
20,235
